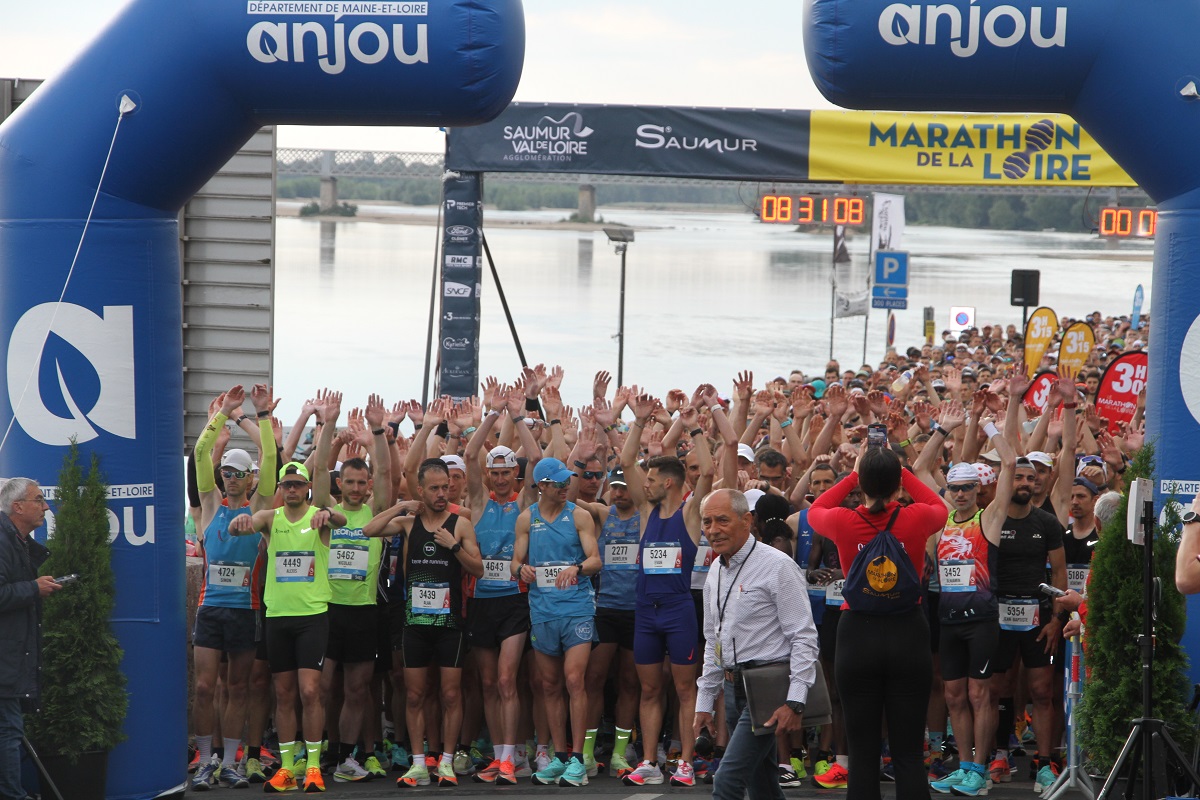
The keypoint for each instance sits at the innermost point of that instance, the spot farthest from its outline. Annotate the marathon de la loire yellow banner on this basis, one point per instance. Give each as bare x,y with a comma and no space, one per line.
1039,333
971,149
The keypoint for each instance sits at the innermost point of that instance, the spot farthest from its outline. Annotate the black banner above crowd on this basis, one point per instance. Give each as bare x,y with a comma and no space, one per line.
737,144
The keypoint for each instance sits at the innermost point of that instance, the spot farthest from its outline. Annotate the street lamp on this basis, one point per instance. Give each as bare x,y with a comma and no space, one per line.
621,237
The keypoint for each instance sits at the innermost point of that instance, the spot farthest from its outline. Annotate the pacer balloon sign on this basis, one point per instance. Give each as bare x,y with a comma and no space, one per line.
1122,382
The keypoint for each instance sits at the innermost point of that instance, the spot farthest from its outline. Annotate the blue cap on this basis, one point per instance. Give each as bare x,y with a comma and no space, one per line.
551,469
819,388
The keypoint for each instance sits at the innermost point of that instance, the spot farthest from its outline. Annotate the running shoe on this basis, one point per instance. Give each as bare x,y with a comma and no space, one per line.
230,778
575,774
521,768
550,775
937,769
399,757
946,785
541,760
822,764
349,771
700,767
313,780
299,766
713,765
478,759
887,772
591,765
284,780
462,763
788,778
1046,777
417,775
1000,771
508,774
618,767
194,764
488,774
646,774
683,775
431,762
254,771
797,764
374,768
446,775
972,785
203,779
836,777
1015,745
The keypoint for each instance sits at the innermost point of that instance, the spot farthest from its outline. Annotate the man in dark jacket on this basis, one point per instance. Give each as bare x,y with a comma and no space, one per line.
22,510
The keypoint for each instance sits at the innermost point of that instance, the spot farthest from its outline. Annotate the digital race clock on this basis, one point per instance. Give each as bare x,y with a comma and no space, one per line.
1127,223
809,209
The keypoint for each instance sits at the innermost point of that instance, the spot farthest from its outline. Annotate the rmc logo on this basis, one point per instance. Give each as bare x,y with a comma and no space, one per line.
105,342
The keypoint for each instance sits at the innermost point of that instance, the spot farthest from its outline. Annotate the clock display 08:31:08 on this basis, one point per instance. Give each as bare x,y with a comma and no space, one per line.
807,209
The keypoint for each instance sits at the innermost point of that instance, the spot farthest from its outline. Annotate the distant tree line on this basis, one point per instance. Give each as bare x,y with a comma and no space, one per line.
1030,212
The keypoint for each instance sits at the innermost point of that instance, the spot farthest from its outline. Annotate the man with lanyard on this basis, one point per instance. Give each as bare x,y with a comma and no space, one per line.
665,615
498,613
297,598
227,617
439,547
965,553
353,568
765,607
620,529
555,552
1030,538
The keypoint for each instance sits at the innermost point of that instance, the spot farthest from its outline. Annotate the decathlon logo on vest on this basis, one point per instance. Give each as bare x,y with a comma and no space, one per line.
79,409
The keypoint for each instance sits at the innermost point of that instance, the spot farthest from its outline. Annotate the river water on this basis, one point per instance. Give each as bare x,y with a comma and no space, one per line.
707,294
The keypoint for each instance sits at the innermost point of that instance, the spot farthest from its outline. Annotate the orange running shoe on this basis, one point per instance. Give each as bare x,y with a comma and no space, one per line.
836,777
313,782
282,781
489,773
508,773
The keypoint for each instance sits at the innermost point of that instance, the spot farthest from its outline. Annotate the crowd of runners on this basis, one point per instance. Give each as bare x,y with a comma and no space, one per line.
505,588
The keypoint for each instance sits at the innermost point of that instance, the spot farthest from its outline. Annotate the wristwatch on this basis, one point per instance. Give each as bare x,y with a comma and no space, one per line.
456,548
1190,516
796,706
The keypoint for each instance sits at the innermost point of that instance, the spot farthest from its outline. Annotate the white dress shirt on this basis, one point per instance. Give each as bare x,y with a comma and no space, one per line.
756,609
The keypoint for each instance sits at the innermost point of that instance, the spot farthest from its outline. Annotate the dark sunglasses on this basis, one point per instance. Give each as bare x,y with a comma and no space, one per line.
293,484
960,487
234,473
559,484
591,476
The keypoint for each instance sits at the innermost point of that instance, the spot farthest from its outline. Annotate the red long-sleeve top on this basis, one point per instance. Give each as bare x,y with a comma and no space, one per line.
849,531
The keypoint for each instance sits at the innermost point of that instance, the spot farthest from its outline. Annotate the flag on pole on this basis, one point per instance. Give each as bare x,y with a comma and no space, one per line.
840,254
887,221
851,305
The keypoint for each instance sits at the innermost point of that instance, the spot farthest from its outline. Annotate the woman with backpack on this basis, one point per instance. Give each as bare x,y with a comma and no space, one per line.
883,665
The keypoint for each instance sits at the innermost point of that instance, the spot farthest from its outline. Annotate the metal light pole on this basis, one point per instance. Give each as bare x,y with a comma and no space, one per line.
620,237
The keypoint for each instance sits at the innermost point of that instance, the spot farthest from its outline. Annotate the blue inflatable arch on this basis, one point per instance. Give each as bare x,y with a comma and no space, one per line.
1127,71
106,154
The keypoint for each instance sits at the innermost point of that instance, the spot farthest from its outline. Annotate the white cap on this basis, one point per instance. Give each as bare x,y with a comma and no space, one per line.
752,496
1038,457
237,459
507,457
746,451
455,462
963,473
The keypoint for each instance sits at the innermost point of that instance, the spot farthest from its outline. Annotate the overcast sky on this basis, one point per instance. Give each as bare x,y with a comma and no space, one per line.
670,52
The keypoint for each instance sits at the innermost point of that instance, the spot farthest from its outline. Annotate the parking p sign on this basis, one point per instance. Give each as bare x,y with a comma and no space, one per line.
891,268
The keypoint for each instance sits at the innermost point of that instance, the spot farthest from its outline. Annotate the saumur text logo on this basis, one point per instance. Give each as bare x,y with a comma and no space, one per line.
105,342
367,42
1000,26
658,137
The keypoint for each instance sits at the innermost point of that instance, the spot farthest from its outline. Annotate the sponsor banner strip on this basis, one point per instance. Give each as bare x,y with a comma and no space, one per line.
787,145
125,491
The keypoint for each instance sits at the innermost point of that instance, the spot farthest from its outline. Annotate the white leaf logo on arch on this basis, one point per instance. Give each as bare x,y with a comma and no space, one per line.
106,342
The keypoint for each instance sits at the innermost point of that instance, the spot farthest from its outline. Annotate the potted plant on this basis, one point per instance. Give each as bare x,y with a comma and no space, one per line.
82,689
